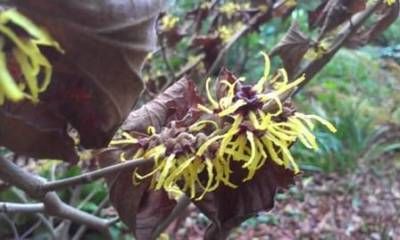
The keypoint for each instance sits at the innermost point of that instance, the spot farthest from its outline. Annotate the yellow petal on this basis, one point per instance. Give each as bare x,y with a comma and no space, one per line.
231,109
204,147
250,139
287,153
259,87
210,178
198,126
28,72
204,109
271,150
209,95
167,169
323,121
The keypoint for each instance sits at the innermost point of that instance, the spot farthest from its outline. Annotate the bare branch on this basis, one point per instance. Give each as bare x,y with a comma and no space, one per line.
52,203
46,222
21,207
170,70
91,176
31,229
78,235
12,225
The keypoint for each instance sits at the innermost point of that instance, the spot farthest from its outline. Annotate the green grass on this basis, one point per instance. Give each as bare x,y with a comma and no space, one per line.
338,151
351,93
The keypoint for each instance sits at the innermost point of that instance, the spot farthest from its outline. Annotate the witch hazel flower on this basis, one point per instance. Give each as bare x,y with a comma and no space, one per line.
239,124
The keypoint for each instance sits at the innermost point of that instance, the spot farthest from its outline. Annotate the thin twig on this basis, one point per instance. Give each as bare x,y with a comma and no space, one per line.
46,222
180,207
91,176
12,225
31,229
53,205
164,56
82,229
87,198
190,65
232,41
252,23
63,228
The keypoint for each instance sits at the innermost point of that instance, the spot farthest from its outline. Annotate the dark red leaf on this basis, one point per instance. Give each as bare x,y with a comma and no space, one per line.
210,45
35,131
138,207
228,207
96,83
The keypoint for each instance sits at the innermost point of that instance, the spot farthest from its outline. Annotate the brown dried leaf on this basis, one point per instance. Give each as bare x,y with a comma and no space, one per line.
35,131
332,13
210,45
138,207
228,207
292,48
173,104
96,83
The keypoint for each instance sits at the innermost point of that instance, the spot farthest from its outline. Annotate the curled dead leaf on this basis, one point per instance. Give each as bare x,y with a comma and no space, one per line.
173,104
292,48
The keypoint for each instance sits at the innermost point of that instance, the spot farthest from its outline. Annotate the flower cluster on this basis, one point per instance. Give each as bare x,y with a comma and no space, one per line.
168,22
390,2
241,125
230,8
262,127
31,63
226,32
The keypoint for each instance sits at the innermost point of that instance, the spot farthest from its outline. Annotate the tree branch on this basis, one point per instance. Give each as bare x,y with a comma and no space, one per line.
354,24
52,203
46,222
6,207
91,176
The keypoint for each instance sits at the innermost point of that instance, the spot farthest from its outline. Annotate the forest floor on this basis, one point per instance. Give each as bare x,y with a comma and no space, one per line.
361,204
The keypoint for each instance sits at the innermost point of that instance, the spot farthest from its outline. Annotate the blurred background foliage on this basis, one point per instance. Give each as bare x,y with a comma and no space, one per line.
358,91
